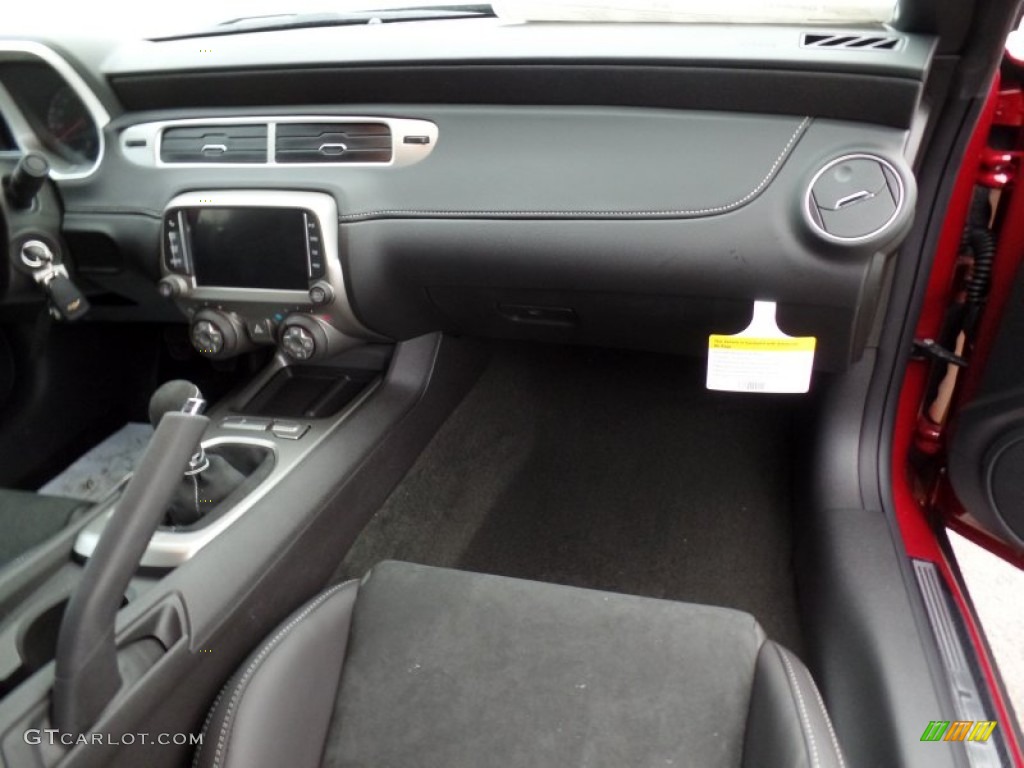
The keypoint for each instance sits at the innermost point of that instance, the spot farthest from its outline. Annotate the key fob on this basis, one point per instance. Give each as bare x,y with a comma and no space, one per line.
69,302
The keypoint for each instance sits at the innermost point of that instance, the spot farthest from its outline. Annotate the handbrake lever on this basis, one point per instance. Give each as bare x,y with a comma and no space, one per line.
87,676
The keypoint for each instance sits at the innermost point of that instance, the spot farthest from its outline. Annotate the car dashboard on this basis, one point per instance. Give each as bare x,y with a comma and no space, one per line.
338,228
619,185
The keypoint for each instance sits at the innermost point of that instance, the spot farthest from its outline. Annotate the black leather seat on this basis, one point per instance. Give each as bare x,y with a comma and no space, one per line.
418,666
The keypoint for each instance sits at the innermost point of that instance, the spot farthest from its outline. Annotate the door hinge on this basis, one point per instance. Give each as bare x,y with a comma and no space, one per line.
929,349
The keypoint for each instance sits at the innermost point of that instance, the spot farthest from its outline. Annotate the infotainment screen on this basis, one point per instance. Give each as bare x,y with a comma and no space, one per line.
249,247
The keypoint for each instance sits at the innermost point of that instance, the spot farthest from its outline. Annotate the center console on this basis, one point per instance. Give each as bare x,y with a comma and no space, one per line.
320,447
259,267
309,448
264,431
253,268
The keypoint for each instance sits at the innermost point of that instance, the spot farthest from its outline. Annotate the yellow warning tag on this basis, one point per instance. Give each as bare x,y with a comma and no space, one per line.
761,358
761,344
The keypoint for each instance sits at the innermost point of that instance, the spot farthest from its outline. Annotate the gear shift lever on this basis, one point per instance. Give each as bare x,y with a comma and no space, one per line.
180,396
172,396
208,478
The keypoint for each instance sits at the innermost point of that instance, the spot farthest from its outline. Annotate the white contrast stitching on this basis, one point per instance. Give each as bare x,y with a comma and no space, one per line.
240,686
804,719
828,722
206,723
596,214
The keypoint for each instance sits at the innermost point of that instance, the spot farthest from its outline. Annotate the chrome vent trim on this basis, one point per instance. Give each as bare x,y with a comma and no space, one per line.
851,41
333,143
214,143
367,141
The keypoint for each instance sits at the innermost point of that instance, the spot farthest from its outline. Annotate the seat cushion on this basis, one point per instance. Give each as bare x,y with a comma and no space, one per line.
447,668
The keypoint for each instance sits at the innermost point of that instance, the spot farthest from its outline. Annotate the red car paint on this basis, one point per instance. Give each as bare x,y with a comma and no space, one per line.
920,532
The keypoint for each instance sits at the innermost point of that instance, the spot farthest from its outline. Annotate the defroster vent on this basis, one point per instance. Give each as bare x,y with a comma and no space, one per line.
855,42
215,144
333,143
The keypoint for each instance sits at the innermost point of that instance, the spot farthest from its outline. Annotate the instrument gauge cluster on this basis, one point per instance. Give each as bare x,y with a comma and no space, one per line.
69,128
50,110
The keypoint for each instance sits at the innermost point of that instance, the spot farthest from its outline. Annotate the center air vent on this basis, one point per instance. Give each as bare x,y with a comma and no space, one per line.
215,144
333,143
851,42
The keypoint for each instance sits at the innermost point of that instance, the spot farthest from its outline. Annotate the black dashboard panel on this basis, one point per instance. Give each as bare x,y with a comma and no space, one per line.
629,227
885,100
774,69
524,162
629,185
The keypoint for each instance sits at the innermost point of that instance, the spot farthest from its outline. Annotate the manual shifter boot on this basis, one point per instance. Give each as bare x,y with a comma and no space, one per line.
205,486
198,493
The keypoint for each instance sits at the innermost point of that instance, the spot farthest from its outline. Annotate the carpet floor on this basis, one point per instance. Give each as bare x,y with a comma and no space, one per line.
608,470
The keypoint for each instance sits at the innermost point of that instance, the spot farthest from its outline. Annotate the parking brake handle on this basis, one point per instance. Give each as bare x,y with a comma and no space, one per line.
87,676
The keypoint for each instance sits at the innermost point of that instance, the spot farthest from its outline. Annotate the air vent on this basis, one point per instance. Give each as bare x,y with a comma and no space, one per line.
214,144
852,42
855,198
333,143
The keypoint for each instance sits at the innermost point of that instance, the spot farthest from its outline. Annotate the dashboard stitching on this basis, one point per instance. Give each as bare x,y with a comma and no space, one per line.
800,129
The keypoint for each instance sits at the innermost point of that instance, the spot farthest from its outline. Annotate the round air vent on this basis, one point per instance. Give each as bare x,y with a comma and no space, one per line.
855,198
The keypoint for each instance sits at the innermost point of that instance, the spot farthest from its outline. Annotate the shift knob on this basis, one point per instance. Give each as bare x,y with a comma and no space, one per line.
171,396
27,179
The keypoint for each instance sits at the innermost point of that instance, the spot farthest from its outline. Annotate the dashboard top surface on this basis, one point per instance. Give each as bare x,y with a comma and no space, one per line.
494,40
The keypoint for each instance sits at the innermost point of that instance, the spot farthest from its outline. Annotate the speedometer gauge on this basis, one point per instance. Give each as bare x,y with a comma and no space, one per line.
50,109
71,128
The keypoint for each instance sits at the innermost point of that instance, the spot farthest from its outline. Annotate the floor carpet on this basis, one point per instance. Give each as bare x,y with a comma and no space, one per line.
608,470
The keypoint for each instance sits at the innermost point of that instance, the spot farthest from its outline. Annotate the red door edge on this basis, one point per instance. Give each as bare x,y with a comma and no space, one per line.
912,516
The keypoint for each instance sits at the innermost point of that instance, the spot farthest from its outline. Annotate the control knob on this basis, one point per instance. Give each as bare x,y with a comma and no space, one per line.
298,342
218,334
172,286
207,337
303,338
321,293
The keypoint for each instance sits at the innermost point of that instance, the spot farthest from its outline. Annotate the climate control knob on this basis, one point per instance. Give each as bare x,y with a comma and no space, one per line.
298,342
218,334
207,338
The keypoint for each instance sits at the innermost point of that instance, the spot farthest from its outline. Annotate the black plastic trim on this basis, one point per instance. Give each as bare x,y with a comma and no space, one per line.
876,99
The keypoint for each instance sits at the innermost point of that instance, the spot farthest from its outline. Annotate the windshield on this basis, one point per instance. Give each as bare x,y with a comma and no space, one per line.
134,19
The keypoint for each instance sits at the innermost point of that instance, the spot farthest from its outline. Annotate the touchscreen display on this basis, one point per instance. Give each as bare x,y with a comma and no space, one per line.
249,248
